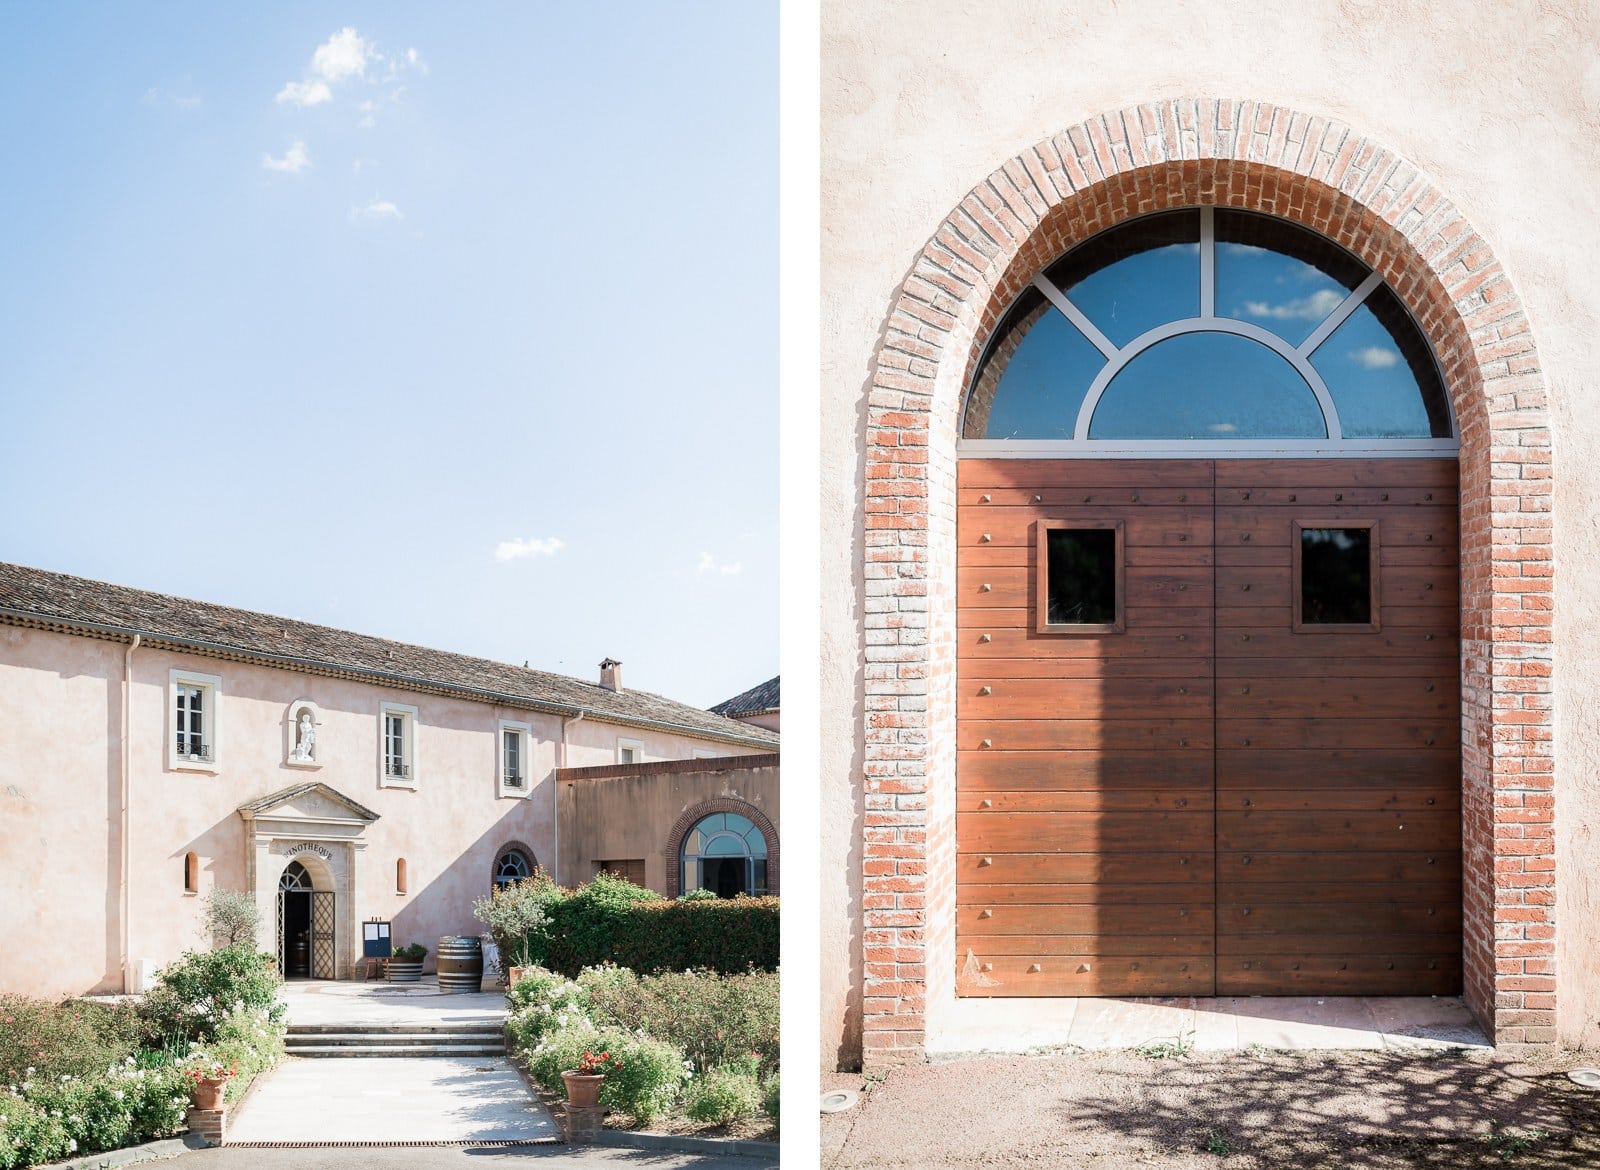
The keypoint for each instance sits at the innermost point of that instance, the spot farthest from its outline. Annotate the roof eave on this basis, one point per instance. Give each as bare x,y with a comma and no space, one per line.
407,682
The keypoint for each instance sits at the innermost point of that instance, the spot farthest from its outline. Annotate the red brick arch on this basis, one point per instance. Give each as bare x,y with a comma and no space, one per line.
1036,206
719,804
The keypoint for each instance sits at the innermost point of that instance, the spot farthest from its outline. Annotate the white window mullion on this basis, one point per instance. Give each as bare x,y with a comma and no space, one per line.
1074,314
1208,263
1339,315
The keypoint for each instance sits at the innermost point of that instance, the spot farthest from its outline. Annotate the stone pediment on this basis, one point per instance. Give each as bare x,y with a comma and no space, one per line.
310,803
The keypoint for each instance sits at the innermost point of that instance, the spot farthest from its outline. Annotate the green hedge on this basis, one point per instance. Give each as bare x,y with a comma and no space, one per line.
610,920
726,936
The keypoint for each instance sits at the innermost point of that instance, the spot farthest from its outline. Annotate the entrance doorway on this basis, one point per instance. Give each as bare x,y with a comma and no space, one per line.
1208,727
304,926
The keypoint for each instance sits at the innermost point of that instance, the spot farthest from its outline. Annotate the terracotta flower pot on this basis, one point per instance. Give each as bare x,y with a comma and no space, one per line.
207,1092
583,1089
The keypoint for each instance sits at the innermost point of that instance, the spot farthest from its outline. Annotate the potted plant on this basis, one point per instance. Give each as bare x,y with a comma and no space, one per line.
584,1082
516,915
405,964
208,1082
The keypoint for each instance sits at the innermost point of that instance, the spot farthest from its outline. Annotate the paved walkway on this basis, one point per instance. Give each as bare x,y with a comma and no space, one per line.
1210,1025
468,1158
441,1099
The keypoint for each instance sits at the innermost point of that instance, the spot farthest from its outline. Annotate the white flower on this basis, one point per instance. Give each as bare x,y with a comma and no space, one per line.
72,1146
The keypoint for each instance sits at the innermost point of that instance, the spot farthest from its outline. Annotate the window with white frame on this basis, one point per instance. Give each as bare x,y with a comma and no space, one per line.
397,746
192,711
630,751
515,743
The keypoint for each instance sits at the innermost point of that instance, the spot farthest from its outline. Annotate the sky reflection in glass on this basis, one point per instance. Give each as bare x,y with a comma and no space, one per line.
1210,383
1369,381
1043,383
1208,386
1139,292
1277,292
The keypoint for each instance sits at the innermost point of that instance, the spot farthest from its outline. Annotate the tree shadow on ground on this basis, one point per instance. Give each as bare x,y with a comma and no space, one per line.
1438,1108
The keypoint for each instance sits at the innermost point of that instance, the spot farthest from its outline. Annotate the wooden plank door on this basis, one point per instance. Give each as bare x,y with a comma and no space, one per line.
1085,820
1338,745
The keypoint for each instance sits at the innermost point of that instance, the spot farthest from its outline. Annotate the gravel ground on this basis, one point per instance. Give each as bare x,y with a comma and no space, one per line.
1234,1110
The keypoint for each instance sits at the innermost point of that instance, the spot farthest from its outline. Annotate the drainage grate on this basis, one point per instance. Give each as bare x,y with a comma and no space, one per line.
381,1145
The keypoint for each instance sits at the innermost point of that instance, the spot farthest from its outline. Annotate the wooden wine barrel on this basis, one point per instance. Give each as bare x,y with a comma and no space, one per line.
460,963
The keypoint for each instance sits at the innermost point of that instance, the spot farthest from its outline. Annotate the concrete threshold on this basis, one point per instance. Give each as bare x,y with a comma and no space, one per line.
973,1027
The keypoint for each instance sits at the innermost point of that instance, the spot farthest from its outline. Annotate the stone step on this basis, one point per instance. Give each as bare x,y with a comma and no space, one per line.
485,1028
339,1040
422,1050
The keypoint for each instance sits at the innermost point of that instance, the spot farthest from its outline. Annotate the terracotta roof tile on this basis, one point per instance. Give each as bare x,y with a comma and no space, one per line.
752,702
35,596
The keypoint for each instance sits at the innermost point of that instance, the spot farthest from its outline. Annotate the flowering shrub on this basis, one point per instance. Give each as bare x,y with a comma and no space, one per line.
45,1119
201,990
29,1135
540,1004
769,1099
69,1038
644,1077
729,1092
716,1019
246,1042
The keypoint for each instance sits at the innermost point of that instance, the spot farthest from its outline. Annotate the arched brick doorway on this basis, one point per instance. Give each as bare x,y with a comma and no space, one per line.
1034,208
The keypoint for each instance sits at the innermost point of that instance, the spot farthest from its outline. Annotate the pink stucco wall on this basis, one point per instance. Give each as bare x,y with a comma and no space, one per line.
60,794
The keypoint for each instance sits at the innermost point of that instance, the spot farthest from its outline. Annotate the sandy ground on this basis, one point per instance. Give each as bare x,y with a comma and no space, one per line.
1234,1110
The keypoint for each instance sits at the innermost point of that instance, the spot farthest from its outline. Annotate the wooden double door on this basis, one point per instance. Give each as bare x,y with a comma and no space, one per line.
1217,793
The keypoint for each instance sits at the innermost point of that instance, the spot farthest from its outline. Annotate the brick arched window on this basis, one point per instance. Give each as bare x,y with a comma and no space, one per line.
712,841
513,862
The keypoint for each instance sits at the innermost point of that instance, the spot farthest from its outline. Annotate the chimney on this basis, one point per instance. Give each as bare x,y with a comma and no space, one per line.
611,675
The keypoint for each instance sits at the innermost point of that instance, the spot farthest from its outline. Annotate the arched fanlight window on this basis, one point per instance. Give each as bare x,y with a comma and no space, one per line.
513,865
1210,328
726,854
295,878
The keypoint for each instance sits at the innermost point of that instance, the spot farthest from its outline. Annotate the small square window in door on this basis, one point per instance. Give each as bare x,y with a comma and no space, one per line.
1336,578
1079,584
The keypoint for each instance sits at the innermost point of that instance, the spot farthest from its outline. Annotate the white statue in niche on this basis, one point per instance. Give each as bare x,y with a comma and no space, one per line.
305,740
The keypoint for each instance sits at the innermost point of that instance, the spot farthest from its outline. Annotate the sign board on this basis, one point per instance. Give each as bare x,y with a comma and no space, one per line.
375,940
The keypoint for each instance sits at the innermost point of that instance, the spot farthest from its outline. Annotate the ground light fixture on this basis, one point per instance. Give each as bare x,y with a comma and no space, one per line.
841,1099
1589,1078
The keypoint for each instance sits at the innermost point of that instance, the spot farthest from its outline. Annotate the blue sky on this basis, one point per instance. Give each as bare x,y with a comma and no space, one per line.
453,324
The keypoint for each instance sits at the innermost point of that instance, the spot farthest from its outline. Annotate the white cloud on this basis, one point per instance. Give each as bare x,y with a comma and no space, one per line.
708,564
304,93
1375,357
294,160
344,55
368,118
377,209
1312,308
154,96
1223,428
512,550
